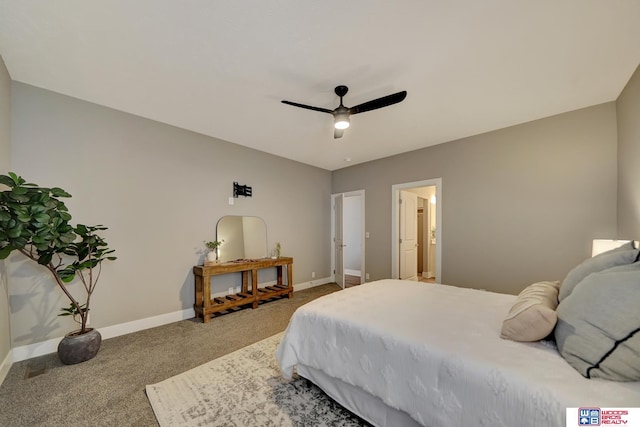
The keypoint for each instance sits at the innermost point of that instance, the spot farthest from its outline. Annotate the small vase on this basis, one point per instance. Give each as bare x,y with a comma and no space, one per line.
211,256
79,348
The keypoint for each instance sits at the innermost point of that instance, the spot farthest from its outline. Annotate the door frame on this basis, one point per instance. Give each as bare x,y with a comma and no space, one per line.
395,224
333,233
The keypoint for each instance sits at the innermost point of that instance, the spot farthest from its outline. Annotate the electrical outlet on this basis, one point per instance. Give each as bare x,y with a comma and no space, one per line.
366,235
313,274
237,289
230,291
366,276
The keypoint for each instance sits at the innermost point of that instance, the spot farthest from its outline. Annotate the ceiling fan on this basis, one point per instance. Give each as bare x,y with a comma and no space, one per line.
341,113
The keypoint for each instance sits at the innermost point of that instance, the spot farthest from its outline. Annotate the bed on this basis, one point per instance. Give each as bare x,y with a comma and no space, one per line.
402,353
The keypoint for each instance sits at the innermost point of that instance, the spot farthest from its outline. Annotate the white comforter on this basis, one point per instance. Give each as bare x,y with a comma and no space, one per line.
434,352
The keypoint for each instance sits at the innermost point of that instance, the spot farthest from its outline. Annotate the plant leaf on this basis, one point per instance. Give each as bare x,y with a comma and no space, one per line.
15,231
23,217
6,180
16,179
59,192
42,218
45,258
4,252
20,190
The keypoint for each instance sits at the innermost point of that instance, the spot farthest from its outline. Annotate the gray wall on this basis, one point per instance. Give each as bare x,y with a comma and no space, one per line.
160,190
628,108
519,205
5,165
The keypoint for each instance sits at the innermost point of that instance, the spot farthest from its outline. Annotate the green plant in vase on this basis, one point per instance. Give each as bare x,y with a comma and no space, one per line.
34,221
277,250
213,249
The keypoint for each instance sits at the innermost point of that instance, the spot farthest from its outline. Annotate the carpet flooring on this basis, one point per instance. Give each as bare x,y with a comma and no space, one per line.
109,390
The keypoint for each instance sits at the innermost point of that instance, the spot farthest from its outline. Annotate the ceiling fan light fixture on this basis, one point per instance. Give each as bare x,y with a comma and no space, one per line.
341,121
341,113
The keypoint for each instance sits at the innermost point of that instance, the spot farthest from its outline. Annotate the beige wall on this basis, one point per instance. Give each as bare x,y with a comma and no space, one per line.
519,204
5,165
628,109
160,190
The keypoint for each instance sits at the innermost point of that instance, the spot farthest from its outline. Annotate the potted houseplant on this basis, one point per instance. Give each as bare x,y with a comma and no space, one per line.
212,255
278,249
35,222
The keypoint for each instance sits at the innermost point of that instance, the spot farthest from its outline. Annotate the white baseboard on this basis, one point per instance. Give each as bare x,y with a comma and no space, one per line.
146,323
51,346
311,284
5,366
352,272
25,352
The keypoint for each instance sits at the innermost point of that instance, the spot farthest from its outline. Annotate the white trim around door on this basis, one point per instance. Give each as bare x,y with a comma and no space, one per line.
395,246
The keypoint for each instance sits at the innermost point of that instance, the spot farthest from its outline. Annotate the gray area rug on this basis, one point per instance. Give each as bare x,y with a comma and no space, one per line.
244,388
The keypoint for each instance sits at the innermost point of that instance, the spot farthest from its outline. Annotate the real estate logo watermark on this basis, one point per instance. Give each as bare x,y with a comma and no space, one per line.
595,416
588,416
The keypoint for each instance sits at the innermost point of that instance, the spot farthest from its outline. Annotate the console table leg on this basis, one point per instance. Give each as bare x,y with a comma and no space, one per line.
206,298
254,287
290,280
199,304
245,282
279,274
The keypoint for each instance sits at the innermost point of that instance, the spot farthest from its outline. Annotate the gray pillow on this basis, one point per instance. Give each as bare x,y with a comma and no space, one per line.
625,254
598,329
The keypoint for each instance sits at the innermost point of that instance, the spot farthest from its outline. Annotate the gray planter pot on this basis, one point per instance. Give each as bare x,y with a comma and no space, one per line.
79,348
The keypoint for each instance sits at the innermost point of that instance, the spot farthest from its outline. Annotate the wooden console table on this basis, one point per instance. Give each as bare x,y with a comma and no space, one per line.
205,305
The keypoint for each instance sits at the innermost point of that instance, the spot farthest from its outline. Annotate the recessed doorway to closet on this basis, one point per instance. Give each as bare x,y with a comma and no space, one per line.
427,243
417,231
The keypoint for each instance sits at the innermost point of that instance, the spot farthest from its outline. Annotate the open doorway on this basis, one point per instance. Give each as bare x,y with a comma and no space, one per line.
417,230
347,236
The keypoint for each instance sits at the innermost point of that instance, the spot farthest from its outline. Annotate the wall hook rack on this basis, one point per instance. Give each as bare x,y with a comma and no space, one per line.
241,190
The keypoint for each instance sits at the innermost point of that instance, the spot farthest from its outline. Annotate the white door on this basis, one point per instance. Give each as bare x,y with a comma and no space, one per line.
338,240
408,235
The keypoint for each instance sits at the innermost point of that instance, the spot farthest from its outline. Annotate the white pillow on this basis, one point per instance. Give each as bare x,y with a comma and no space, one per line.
533,316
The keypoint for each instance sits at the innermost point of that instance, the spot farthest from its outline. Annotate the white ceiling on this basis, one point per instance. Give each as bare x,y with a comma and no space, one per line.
221,67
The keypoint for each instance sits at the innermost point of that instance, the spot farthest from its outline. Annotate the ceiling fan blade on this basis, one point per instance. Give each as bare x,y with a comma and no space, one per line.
337,133
308,107
379,103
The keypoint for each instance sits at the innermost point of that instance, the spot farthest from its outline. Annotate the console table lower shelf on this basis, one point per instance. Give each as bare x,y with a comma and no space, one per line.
205,306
